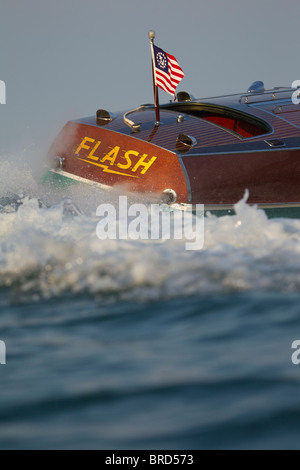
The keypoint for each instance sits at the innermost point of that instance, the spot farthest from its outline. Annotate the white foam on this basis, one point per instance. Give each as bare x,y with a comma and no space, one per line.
50,251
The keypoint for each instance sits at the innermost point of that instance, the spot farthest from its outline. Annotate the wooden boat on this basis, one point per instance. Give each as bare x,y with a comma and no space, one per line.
203,151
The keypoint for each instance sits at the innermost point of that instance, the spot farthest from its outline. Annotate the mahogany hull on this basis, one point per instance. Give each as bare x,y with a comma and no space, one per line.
207,151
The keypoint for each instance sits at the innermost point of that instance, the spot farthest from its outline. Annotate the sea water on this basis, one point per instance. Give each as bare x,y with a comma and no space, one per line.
123,344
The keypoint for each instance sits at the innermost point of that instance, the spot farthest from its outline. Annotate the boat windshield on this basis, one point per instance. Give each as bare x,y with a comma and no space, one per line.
243,124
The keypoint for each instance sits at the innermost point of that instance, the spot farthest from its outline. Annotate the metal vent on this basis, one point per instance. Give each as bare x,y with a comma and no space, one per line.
185,142
103,117
169,196
256,87
275,143
184,96
59,163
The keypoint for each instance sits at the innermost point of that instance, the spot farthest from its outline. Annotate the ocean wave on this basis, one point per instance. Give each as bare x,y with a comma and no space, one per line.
49,247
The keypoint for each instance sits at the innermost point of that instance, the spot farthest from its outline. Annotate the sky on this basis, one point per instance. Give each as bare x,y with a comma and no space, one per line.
64,59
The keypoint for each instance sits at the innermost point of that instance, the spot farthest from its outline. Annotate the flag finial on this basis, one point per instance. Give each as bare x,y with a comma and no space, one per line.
151,35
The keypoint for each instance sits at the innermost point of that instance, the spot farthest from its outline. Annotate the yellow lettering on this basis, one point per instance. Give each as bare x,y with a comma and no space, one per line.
91,154
111,156
83,146
127,165
142,162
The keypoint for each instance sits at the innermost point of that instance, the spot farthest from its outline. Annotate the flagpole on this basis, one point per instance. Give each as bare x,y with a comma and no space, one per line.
151,35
